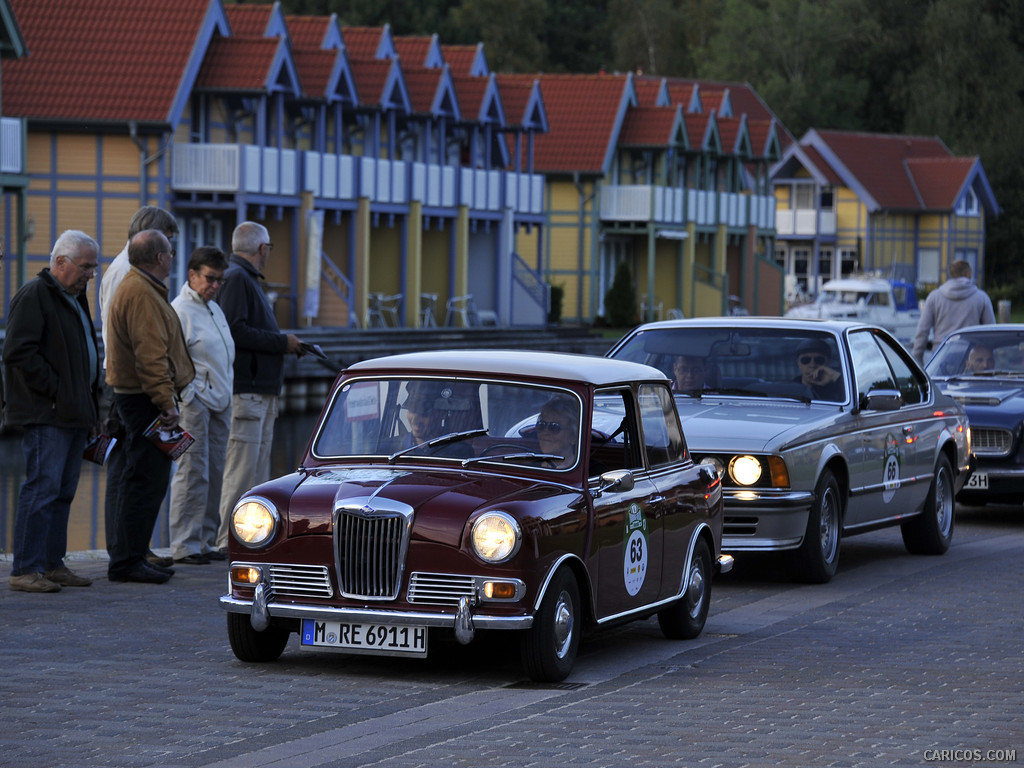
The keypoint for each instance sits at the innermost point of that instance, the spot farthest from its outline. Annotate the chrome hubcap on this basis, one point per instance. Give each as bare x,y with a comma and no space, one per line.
829,526
563,625
695,592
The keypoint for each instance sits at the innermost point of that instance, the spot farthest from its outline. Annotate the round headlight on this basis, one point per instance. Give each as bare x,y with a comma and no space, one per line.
715,464
253,521
745,470
495,537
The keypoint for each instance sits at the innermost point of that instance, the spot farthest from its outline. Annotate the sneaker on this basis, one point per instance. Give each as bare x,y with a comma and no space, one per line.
216,554
67,578
193,559
33,582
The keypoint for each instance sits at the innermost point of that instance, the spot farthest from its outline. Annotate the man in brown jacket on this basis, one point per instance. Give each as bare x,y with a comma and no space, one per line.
148,365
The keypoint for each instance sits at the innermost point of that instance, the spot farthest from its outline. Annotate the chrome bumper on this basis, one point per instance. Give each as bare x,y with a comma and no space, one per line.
462,621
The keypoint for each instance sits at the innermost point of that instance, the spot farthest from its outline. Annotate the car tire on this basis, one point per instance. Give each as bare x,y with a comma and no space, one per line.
252,646
931,532
818,556
685,618
549,647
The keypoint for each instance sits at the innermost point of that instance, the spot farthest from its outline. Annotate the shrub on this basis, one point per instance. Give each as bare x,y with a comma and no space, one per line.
620,301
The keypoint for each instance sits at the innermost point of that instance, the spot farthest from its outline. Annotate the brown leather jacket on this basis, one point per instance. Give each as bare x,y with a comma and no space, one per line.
147,350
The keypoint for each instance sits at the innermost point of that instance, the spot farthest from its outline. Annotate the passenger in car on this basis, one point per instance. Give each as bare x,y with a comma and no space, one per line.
825,383
979,359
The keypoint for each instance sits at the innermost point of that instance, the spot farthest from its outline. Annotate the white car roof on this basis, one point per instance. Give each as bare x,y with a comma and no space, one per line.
513,363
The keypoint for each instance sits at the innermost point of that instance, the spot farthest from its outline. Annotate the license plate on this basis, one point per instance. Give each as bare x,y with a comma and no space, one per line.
353,637
978,480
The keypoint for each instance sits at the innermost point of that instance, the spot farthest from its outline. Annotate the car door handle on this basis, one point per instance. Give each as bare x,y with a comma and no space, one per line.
655,500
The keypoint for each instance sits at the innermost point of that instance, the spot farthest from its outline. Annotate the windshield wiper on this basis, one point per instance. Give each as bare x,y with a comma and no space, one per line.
437,442
512,456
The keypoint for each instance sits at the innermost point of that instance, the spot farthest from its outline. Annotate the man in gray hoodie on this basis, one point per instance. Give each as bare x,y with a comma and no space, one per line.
955,304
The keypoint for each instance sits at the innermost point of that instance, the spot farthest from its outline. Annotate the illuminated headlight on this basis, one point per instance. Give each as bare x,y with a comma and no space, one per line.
715,464
254,521
495,537
745,470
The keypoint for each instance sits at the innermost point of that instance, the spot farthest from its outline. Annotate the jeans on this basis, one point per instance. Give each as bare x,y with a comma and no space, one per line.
147,473
195,488
53,463
248,459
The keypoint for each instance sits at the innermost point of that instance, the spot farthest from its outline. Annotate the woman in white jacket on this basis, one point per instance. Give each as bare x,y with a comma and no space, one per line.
205,411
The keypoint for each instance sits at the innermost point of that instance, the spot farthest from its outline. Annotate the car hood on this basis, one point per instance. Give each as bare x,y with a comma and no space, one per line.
738,425
441,499
1006,395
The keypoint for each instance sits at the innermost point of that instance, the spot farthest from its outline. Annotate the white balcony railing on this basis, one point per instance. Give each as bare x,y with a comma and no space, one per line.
805,221
671,205
12,145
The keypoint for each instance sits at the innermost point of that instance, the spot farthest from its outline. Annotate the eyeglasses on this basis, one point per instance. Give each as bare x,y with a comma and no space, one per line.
808,359
212,279
549,426
270,245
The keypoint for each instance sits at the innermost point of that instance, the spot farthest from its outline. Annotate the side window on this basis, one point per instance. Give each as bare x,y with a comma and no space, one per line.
663,437
911,384
869,364
614,442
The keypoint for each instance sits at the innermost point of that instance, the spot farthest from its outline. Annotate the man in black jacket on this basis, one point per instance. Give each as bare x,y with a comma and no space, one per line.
51,389
260,347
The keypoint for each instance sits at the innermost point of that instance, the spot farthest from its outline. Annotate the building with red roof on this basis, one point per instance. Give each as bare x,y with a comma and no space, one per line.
392,166
14,178
902,206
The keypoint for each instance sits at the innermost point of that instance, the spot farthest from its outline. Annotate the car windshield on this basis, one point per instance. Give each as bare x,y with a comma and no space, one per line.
996,352
747,362
451,419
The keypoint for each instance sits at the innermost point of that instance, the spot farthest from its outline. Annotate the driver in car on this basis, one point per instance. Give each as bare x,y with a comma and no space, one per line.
812,358
979,359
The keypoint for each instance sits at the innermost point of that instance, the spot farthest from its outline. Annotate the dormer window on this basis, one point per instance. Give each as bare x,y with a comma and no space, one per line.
968,205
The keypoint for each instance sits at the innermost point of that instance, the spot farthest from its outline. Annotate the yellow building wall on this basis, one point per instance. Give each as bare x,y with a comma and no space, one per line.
565,265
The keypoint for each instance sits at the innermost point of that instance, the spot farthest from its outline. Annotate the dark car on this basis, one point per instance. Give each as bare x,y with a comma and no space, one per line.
450,492
982,367
819,430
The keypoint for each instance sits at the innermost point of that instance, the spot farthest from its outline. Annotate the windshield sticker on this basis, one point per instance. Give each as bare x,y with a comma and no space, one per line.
335,476
891,468
634,561
363,402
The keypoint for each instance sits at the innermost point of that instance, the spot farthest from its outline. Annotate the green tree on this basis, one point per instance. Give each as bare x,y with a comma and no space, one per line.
620,307
509,30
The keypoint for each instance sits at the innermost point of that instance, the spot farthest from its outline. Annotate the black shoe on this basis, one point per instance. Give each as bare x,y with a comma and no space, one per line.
142,573
154,559
160,568
217,554
193,560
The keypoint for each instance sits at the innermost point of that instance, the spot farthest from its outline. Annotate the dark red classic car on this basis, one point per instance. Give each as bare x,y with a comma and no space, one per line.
478,490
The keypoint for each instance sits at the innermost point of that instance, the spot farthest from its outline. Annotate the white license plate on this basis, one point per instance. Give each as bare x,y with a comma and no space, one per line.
354,637
978,480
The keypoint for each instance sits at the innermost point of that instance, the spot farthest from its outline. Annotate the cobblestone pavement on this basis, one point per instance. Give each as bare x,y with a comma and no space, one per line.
900,660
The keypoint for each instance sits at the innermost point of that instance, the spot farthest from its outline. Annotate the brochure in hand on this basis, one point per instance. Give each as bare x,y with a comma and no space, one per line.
98,449
312,349
173,442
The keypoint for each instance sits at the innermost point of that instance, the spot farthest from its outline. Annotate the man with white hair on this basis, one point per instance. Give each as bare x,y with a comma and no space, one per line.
260,347
51,389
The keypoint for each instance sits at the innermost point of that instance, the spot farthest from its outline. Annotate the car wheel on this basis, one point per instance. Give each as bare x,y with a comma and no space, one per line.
931,532
253,646
685,618
550,645
818,557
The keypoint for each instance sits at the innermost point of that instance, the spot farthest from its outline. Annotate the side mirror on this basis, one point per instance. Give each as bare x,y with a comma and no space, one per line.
616,480
881,400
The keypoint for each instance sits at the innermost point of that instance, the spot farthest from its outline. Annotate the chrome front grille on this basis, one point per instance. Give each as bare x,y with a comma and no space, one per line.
288,580
991,442
371,546
440,588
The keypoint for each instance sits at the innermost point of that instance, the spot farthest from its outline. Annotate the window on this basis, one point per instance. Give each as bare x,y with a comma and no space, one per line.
912,388
827,198
804,196
968,204
663,437
869,364
848,261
